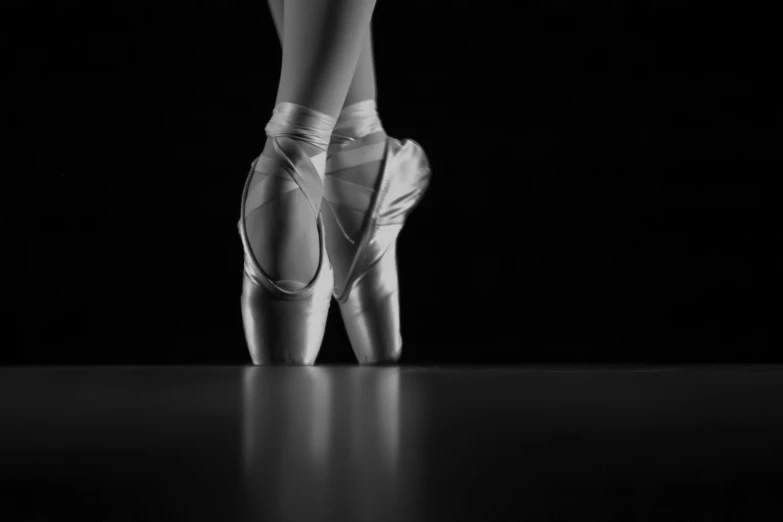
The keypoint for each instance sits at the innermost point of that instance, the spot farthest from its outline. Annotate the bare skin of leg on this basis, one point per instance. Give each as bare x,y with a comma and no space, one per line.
363,84
322,42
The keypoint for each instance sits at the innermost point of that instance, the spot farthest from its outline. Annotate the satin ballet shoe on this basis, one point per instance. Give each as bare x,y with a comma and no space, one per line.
285,325
369,297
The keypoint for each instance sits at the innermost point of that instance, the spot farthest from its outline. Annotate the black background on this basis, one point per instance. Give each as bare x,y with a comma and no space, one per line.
602,179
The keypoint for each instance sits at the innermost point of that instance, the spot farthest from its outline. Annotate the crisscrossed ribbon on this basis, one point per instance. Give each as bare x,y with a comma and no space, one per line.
294,121
359,119
313,127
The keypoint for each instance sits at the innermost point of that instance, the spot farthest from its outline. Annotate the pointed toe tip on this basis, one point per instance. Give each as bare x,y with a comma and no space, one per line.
379,355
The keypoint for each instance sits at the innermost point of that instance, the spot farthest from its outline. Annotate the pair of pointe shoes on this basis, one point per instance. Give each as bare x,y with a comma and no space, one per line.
284,327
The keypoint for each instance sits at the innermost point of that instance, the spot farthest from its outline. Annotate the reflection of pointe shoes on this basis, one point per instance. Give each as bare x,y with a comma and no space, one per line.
284,326
369,297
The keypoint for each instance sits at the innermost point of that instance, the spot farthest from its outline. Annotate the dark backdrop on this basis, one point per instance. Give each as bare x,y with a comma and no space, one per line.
602,177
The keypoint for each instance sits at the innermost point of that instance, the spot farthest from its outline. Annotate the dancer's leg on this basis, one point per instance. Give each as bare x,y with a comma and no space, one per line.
363,85
276,8
359,130
322,42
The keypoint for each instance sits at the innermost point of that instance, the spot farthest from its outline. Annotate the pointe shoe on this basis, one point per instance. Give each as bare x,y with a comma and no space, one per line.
369,298
285,326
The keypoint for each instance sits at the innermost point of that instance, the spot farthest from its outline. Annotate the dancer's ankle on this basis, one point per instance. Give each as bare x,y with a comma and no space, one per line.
309,128
356,121
300,123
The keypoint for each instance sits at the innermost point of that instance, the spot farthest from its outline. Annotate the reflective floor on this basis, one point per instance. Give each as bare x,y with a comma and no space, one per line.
375,444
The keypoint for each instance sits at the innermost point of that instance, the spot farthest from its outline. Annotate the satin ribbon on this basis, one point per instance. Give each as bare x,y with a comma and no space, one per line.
300,123
304,124
356,121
